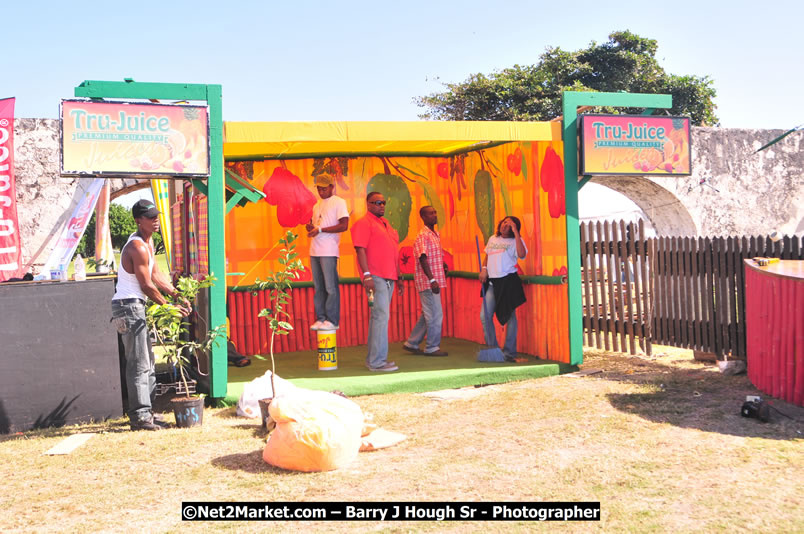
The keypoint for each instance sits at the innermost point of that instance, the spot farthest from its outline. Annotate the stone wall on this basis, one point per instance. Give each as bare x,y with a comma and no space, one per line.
45,199
733,189
43,195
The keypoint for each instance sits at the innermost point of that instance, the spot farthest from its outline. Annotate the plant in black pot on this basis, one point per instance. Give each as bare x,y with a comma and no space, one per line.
278,285
171,329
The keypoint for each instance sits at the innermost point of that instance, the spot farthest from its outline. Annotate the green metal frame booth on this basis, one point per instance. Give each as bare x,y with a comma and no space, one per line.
215,190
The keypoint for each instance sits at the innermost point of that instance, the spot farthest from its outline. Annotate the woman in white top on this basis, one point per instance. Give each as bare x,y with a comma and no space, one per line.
503,290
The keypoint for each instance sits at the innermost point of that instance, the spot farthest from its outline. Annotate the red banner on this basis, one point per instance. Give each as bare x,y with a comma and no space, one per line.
10,252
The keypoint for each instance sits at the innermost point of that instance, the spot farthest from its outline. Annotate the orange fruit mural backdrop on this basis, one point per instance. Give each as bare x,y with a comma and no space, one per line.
471,192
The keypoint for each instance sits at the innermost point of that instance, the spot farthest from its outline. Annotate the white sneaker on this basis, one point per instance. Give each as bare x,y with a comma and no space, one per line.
327,325
316,325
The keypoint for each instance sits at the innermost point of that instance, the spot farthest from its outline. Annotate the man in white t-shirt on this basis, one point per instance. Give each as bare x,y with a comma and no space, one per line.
330,219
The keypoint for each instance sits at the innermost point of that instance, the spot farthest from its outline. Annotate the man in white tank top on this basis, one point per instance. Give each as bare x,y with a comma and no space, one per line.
139,279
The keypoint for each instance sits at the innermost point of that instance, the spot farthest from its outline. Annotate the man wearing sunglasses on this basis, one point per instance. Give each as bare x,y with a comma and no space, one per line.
377,246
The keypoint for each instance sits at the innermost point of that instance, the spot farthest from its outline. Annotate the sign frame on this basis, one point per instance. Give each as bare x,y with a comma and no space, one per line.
154,174
646,171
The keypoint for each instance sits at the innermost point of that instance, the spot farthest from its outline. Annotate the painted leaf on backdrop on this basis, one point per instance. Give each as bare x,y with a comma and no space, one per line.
484,203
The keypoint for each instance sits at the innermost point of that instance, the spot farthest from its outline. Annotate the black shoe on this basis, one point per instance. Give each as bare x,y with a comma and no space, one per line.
411,349
509,358
145,425
159,419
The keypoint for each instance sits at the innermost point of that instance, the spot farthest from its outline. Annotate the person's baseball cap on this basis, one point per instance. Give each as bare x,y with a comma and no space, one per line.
323,180
144,208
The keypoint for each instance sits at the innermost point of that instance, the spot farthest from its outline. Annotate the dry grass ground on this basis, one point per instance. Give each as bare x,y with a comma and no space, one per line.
658,441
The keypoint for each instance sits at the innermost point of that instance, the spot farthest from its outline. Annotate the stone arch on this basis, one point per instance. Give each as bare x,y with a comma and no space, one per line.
123,186
664,209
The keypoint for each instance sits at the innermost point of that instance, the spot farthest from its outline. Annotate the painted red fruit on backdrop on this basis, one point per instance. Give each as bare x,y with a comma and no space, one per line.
552,173
514,162
443,170
407,263
294,202
560,272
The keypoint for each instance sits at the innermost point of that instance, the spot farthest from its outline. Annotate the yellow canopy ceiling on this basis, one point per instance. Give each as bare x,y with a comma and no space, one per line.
272,140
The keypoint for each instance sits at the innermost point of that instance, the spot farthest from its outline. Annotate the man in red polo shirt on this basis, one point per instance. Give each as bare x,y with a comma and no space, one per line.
377,246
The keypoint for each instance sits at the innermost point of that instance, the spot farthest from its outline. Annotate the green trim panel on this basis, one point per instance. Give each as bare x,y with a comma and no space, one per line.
146,91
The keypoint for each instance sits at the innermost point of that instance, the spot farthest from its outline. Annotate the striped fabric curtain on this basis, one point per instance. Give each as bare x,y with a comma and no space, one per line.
178,237
200,209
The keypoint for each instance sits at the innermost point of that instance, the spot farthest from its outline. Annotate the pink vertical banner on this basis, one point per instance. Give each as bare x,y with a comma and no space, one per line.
87,197
10,247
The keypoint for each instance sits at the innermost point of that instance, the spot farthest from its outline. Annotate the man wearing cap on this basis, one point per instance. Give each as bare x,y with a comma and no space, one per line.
139,279
330,219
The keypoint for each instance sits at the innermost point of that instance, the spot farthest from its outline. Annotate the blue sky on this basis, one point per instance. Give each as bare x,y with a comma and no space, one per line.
353,60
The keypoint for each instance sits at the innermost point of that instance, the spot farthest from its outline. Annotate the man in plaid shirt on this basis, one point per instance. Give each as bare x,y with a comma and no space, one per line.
429,279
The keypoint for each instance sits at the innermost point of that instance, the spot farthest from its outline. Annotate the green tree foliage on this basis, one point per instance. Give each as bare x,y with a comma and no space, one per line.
626,62
121,225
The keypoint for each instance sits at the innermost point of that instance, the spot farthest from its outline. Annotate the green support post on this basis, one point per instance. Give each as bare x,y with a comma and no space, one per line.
571,101
211,94
219,373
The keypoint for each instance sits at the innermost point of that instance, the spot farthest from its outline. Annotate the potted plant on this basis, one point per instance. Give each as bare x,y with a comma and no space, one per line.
278,284
170,327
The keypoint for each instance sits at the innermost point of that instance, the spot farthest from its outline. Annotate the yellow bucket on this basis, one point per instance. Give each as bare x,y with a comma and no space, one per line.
327,351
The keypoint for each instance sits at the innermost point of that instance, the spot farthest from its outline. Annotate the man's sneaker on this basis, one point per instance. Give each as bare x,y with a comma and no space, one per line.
437,353
316,325
389,366
145,425
413,350
326,325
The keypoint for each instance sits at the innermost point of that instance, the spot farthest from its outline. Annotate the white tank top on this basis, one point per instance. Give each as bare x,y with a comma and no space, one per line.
128,287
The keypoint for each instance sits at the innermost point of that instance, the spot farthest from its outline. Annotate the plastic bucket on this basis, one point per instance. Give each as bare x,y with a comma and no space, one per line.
188,411
327,350
268,422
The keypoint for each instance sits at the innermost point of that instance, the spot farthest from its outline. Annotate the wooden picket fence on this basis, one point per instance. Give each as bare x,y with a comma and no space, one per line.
616,297
677,291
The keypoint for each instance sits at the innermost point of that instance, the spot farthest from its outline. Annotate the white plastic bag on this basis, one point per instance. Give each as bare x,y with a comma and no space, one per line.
260,388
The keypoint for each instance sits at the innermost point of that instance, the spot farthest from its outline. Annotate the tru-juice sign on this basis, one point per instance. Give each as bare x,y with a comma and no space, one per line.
134,139
635,144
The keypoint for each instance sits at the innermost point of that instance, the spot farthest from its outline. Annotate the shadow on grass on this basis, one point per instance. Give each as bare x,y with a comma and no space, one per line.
256,430
100,427
699,398
250,462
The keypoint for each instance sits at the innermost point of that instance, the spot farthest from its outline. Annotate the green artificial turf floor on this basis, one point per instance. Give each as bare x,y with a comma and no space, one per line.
416,373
